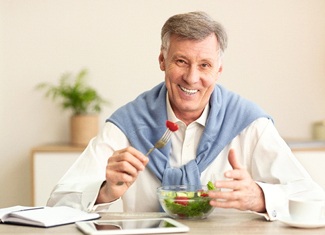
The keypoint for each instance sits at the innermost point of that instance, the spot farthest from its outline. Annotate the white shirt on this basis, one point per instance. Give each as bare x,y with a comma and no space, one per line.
259,148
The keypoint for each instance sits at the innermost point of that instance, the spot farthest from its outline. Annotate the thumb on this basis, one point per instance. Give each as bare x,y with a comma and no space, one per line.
233,160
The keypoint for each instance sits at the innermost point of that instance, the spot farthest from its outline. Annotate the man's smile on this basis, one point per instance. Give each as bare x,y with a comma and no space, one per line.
188,91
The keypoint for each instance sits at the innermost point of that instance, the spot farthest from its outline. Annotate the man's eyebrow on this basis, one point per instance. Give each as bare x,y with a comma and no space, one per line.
177,56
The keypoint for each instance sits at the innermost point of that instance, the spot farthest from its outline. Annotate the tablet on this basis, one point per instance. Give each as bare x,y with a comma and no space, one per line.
132,226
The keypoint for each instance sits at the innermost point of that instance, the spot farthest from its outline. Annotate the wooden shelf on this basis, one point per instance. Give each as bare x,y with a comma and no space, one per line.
306,145
58,148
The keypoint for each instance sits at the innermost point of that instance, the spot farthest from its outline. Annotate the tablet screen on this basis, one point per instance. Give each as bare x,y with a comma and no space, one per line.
132,226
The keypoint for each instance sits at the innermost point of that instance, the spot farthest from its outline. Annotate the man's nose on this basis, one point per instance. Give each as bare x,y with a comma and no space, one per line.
192,75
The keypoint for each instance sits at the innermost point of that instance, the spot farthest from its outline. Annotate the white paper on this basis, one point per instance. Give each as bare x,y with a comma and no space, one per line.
44,216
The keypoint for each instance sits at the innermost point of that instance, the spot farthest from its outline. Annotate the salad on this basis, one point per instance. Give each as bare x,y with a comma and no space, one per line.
189,204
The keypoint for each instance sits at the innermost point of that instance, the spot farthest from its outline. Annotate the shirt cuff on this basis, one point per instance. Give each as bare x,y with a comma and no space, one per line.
90,194
274,201
90,198
103,206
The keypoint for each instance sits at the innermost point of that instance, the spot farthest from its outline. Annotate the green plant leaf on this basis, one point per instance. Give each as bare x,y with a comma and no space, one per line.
72,92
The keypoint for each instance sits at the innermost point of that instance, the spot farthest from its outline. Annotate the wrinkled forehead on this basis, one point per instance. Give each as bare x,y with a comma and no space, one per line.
173,39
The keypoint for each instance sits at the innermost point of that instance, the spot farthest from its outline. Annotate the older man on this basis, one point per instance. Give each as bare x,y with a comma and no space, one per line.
221,136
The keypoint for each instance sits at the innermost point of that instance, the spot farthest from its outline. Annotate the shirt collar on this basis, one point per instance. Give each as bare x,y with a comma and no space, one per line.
172,117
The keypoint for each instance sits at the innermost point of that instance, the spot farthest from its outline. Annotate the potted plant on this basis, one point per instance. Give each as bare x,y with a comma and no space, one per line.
85,103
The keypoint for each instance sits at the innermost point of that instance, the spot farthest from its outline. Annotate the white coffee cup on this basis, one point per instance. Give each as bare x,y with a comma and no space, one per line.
307,210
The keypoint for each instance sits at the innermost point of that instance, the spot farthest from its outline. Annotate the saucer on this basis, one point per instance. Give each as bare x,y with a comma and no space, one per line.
299,224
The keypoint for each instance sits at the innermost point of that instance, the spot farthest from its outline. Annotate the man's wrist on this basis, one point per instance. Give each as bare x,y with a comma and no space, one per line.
103,195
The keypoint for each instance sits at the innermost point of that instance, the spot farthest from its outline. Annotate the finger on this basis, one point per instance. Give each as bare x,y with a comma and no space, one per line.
235,164
225,204
125,177
144,159
230,195
228,184
124,165
137,154
114,176
236,174
128,168
123,160
229,199
128,163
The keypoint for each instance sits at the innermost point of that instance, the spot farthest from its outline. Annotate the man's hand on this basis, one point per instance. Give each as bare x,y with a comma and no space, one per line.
241,190
122,170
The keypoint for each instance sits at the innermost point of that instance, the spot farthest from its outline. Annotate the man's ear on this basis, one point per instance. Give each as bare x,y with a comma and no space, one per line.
220,69
219,73
161,62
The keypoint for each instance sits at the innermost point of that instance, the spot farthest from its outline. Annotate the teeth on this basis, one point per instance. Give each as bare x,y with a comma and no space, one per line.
189,92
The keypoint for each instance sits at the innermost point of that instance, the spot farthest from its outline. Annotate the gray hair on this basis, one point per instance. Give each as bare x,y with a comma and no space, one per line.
194,26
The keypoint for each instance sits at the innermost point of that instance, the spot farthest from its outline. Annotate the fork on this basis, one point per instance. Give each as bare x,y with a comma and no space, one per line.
164,139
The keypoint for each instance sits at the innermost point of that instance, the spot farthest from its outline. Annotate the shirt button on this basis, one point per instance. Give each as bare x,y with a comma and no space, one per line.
274,214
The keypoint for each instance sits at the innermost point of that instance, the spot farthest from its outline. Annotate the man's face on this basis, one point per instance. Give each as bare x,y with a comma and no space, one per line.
191,71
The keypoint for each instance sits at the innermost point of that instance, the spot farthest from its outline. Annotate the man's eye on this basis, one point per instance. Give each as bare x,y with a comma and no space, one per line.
206,65
181,62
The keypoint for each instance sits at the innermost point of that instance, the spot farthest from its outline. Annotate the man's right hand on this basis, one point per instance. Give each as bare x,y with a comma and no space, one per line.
122,170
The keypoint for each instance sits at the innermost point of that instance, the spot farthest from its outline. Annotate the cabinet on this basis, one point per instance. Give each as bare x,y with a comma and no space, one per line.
49,164
313,159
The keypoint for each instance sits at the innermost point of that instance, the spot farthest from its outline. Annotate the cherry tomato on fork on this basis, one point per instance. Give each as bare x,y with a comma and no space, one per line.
171,126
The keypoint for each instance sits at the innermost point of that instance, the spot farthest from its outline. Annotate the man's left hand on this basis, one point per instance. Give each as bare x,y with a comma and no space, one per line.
240,191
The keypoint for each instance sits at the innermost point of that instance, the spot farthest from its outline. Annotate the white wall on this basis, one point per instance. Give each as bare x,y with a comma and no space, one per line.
276,57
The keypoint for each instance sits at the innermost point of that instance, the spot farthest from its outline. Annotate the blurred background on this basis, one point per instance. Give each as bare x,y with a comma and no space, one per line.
275,57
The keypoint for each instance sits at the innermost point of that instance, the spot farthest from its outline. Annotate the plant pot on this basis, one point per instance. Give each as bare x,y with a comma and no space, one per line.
83,128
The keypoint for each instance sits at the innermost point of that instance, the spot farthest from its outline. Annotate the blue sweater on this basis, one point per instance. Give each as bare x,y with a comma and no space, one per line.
143,123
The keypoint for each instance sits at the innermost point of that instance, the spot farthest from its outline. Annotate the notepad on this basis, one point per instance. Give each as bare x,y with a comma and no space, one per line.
44,216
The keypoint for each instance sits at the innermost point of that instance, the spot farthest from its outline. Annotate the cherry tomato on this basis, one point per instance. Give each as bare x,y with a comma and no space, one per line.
171,126
182,200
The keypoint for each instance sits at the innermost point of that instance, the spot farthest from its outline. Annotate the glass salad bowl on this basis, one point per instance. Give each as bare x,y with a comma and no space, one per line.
185,201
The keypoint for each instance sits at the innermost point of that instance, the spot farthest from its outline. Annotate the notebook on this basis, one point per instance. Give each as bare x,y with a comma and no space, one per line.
44,216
